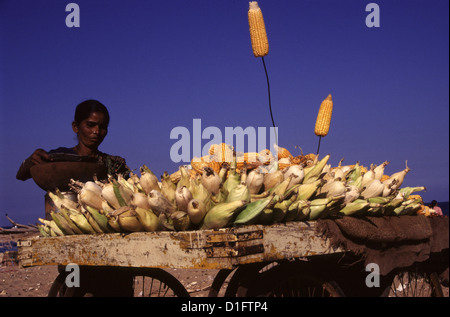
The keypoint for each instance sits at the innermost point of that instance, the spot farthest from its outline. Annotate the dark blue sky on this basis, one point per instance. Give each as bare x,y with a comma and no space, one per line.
158,65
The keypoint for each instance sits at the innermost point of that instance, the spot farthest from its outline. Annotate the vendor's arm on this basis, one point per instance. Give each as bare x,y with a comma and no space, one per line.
38,157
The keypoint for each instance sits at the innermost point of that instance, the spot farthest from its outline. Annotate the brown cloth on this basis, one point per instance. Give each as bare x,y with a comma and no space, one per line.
390,242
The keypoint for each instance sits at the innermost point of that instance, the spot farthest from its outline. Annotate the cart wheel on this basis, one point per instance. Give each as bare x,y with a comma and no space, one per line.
218,282
415,283
126,282
243,275
154,282
59,287
287,280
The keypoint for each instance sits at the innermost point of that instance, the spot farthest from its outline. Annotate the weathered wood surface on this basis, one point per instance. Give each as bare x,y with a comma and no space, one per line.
201,249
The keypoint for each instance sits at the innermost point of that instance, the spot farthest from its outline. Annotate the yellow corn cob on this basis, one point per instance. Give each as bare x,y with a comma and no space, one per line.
250,160
176,176
215,166
199,163
251,157
324,117
284,163
258,35
265,157
221,152
283,152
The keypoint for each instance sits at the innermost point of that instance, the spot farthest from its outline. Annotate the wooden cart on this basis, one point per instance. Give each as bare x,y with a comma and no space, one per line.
289,259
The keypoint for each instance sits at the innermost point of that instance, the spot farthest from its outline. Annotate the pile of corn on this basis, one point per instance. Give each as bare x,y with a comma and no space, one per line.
252,188
226,188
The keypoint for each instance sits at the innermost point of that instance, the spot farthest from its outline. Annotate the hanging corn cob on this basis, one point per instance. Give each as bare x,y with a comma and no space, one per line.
258,35
260,43
323,119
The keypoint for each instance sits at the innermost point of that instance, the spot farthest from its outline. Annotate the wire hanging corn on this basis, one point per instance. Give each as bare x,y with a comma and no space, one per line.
260,44
324,119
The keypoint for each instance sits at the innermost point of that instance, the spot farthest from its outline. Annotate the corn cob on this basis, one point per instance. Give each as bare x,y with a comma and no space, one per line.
159,203
196,211
59,199
61,223
122,199
396,180
126,220
379,171
53,226
409,190
215,165
284,163
355,206
140,200
82,223
297,171
221,152
332,188
255,180
149,221
283,152
94,224
295,210
182,197
372,189
65,213
211,180
108,194
239,192
280,208
180,220
265,156
100,218
233,179
44,230
248,161
90,198
258,35
198,163
272,179
252,210
148,180
306,191
175,177
324,117
220,215
168,187
314,173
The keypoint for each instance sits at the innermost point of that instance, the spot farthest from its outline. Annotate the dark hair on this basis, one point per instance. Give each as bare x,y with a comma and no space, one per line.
84,110
433,202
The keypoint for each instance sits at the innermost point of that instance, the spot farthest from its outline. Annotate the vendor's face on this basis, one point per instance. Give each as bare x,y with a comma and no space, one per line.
92,130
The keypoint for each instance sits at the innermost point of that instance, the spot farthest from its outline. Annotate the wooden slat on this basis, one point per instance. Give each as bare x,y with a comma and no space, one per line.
201,249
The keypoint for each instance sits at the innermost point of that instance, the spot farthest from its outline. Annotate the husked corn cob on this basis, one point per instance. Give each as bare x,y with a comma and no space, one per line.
251,157
248,160
199,163
215,166
221,152
258,35
283,152
324,117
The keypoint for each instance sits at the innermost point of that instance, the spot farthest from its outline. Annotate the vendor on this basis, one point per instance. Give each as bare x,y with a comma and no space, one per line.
91,126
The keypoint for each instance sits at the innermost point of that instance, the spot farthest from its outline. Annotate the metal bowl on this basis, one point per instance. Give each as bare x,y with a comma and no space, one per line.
50,176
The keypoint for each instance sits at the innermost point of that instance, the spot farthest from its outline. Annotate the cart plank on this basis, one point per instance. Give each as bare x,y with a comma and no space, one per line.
200,249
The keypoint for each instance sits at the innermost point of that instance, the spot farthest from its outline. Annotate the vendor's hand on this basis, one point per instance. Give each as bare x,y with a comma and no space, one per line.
39,156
